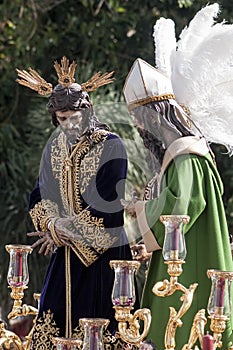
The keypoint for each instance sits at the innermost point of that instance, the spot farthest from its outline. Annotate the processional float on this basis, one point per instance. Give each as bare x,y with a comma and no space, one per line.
130,327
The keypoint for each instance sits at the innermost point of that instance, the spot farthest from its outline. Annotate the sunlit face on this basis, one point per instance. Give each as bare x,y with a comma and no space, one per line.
71,123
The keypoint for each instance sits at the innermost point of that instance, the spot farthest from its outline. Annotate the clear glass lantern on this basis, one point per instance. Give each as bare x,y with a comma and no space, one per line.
67,343
123,293
219,304
174,247
93,332
18,275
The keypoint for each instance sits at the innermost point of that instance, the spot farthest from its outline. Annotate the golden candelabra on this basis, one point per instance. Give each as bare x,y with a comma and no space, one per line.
123,298
174,252
18,278
132,327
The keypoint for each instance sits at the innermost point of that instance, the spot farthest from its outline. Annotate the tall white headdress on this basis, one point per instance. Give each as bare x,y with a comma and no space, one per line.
201,71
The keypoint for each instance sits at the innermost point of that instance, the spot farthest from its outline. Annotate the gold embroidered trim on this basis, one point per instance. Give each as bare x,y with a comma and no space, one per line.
44,330
60,159
89,166
42,212
58,155
95,240
78,155
93,231
84,252
144,101
74,173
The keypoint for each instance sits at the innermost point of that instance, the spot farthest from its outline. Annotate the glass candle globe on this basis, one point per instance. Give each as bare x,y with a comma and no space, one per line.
219,304
18,275
123,293
174,247
93,333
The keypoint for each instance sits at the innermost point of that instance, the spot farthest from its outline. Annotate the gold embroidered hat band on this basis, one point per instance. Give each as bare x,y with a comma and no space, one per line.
65,73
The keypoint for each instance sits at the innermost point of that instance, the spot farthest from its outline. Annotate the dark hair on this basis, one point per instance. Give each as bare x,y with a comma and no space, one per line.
73,98
68,98
152,116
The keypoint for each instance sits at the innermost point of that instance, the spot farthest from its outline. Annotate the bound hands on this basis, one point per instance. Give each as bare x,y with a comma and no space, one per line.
65,230
62,227
46,241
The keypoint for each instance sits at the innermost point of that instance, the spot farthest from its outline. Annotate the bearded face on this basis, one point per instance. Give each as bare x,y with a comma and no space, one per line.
73,123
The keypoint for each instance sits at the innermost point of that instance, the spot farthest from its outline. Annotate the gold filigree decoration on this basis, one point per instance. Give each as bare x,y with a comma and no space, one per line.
42,212
58,155
95,240
34,81
197,331
84,252
44,330
93,231
70,184
65,72
78,156
89,166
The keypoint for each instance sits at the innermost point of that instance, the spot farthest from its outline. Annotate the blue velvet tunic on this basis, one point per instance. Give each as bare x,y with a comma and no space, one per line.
87,183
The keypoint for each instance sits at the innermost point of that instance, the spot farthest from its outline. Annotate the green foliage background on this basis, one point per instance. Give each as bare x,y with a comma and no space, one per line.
100,35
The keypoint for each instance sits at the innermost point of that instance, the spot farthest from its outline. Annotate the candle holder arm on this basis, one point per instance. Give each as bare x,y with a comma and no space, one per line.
22,310
197,330
9,340
17,294
166,288
128,324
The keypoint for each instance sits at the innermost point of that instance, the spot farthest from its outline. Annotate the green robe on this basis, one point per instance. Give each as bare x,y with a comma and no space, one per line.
190,185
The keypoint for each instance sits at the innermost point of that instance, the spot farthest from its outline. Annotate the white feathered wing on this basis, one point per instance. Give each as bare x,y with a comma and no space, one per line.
202,74
165,44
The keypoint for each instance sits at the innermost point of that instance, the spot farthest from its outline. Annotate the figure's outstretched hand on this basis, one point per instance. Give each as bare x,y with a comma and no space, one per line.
46,241
140,253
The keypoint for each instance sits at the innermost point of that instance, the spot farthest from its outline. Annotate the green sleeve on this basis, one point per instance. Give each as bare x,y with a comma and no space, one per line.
182,193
